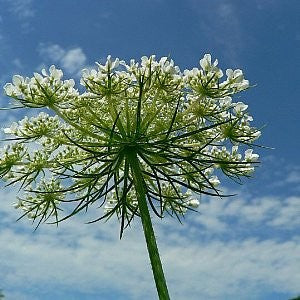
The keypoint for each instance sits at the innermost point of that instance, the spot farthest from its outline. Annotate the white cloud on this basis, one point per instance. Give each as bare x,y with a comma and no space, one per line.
281,212
52,51
17,63
234,269
72,60
200,262
288,215
82,262
293,177
21,8
21,11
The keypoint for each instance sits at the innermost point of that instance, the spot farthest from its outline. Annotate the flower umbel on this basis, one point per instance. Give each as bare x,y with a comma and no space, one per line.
140,134
178,126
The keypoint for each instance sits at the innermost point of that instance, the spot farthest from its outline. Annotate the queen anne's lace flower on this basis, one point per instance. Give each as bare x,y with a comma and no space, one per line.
177,128
36,127
140,135
44,203
42,90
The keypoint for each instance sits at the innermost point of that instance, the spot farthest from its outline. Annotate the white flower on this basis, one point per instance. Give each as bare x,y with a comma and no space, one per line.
10,89
145,61
39,78
256,134
205,62
225,102
109,65
17,205
69,83
240,107
235,153
85,73
244,85
44,72
249,156
209,68
18,80
234,149
236,75
56,74
208,171
12,129
235,79
248,118
163,60
214,180
193,203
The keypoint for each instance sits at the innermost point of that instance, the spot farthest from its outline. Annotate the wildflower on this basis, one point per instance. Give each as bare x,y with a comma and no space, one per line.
141,134
147,112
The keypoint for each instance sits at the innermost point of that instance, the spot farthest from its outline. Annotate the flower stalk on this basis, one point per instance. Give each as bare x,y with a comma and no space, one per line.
156,264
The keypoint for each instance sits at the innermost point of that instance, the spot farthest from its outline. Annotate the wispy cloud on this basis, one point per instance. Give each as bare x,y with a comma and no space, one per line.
223,253
245,217
267,4
294,177
71,60
23,9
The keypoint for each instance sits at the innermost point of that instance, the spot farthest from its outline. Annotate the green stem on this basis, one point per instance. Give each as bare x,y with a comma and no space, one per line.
157,269
78,127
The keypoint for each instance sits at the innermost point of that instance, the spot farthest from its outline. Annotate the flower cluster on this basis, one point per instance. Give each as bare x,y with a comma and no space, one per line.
238,166
138,128
42,89
45,201
10,157
36,127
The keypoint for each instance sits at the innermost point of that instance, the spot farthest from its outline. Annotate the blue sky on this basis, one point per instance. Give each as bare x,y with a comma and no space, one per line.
245,247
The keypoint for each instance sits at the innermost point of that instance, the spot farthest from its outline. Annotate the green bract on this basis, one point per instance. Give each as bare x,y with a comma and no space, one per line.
144,124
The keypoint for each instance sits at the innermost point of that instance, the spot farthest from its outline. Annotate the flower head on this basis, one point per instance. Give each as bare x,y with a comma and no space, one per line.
145,119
